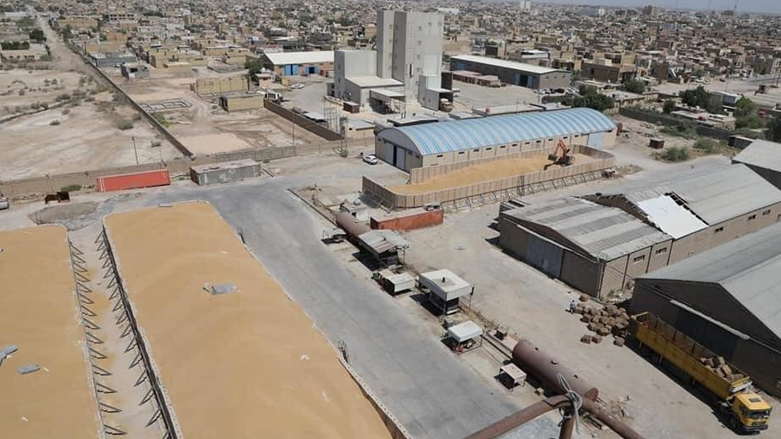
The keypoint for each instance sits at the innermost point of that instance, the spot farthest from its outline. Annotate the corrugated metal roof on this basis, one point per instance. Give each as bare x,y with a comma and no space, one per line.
716,196
381,241
670,217
605,233
762,154
437,138
524,67
315,57
749,268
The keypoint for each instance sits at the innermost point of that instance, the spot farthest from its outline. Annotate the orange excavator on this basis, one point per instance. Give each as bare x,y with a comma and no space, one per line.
562,156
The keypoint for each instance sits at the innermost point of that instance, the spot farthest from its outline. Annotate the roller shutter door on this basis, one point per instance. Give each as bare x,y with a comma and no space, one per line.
544,256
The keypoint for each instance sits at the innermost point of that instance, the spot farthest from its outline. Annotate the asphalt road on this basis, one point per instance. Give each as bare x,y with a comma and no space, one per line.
433,395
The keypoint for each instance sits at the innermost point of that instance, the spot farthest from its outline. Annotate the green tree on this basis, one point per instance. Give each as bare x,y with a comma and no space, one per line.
634,86
697,97
773,132
589,98
37,36
752,121
254,65
745,107
669,106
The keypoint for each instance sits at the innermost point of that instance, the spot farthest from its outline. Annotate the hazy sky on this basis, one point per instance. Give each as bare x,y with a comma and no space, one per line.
743,5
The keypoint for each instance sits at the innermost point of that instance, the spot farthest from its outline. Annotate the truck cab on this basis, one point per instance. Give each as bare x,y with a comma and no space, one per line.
752,413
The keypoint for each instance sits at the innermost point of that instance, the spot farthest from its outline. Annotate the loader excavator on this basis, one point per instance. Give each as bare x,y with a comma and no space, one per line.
562,156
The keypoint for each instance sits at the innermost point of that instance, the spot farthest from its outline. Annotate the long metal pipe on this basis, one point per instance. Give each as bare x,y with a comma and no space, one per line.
547,369
521,417
606,418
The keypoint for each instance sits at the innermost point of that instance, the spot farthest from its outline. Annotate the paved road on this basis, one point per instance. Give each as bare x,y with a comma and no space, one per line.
431,393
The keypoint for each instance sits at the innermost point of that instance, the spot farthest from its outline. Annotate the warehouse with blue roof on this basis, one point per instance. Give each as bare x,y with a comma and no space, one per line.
440,143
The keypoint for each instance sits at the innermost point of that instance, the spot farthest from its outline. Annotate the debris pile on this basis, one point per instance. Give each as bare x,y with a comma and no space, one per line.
720,366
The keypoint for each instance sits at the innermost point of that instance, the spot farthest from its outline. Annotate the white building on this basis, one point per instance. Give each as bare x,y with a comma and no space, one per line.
406,65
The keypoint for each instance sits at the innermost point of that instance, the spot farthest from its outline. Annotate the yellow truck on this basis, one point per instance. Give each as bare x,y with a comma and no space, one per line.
730,389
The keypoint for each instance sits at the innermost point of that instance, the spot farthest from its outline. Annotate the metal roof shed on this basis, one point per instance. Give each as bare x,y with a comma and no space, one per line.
445,284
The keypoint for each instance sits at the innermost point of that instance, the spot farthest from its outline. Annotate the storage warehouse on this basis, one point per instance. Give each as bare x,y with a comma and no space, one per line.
764,158
728,299
299,63
511,72
690,215
438,143
584,244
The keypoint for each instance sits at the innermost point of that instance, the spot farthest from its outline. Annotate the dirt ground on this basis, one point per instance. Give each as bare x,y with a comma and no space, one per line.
483,172
82,135
83,139
238,363
38,310
257,128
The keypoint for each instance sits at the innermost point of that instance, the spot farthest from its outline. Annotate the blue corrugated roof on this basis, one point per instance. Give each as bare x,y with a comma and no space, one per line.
442,137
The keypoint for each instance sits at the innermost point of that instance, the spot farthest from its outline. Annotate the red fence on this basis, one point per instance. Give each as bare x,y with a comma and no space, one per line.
133,181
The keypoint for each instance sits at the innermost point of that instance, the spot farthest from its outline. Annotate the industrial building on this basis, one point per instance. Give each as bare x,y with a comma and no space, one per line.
438,143
407,64
134,70
511,72
669,223
764,158
299,63
728,299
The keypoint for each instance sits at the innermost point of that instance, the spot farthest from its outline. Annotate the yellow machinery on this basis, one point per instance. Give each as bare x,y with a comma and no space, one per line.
744,410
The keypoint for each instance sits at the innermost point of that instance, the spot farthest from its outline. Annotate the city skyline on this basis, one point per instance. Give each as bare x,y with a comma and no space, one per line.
761,6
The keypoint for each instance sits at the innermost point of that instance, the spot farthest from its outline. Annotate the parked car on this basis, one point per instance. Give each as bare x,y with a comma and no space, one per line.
297,86
371,159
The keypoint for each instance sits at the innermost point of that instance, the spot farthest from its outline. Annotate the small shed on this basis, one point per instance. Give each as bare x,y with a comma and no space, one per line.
395,283
656,143
464,336
386,246
225,172
445,289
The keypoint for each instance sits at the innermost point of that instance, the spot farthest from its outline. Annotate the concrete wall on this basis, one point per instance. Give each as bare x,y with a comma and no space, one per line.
759,356
301,121
241,103
579,272
520,184
220,85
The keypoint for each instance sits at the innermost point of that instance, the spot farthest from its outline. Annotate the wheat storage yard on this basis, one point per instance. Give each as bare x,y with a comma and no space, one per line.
493,170
39,314
241,364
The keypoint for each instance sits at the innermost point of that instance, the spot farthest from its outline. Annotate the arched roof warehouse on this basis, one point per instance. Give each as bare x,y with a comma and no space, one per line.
444,137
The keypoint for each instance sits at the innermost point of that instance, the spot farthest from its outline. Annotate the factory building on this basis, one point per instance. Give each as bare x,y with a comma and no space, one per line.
728,299
511,72
299,63
438,143
690,215
407,64
764,158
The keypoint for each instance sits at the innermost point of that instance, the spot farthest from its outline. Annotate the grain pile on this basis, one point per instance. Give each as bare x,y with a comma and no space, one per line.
494,170
247,363
38,313
603,322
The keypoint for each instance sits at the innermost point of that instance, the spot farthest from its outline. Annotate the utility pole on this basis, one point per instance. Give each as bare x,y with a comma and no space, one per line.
134,148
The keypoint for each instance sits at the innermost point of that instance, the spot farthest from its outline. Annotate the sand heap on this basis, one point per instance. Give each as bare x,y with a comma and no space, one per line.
244,364
494,170
39,314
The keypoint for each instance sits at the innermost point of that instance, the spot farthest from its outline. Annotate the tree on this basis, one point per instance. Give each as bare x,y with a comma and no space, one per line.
254,65
698,97
752,121
669,106
37,36
745,107
773,132
634,86
589,98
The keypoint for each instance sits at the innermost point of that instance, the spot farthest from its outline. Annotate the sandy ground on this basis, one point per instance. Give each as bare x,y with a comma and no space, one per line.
214,143
484,172
32,82
38,314
236,364
86,138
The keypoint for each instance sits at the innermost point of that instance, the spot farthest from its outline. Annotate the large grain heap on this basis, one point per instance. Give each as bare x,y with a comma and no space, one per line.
245,363
39,315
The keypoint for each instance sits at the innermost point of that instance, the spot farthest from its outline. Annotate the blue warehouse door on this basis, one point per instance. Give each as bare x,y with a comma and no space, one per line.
288,70
401,158
544,255
517,79
460,66
295,69
596,140
530,81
